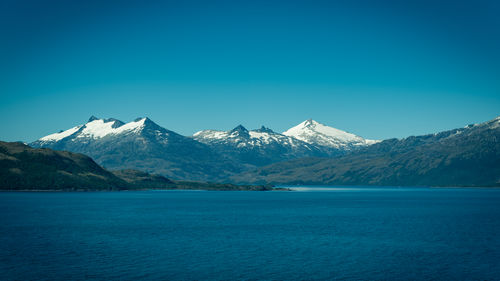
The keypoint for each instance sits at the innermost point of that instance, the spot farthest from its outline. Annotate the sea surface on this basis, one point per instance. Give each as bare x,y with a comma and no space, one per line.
313,233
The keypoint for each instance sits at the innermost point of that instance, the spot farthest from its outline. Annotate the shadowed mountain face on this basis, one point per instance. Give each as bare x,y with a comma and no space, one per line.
142,145
462,157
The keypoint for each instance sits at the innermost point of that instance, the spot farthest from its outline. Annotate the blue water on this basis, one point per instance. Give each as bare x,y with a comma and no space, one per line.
353,233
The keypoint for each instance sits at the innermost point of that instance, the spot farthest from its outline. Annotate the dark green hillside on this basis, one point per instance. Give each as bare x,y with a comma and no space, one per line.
25,168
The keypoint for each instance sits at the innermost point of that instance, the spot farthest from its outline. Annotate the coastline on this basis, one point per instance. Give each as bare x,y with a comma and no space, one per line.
264,189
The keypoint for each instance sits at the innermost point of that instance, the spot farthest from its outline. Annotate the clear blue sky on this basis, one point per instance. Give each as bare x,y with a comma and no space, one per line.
378,69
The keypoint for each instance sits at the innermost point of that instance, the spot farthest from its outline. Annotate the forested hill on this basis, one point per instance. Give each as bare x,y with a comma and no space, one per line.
26,168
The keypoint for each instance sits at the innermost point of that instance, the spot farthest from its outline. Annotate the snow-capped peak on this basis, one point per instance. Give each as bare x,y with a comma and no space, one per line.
314,132
312,127
239,129
92,118
310,123
98,128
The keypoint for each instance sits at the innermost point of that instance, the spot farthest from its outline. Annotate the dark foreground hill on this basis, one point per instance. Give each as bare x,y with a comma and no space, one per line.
26,168
468,156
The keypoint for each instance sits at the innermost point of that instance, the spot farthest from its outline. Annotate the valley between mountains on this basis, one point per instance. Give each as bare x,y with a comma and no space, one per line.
309,153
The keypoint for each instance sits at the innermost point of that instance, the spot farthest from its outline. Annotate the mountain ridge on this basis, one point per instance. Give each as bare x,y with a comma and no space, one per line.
256,147
468,156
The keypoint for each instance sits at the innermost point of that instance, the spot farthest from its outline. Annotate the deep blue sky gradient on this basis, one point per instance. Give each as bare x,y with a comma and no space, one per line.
379,69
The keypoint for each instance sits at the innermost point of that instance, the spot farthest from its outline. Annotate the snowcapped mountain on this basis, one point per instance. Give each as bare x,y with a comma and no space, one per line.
141,144
212,155
256,147
94,129
207,155
313,132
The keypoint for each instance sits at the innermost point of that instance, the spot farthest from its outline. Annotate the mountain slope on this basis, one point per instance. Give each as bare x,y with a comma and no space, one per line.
313,132
256,147
468,156
141,145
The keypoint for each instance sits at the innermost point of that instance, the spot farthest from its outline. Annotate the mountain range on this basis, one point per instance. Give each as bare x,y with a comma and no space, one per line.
309,153
467,156
142,145
208,155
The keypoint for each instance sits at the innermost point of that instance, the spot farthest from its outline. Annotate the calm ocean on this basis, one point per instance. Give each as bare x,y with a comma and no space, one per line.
310,234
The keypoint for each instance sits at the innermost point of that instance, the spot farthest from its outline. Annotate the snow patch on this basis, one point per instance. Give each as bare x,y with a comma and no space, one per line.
262,136
61,135
211,134
370,142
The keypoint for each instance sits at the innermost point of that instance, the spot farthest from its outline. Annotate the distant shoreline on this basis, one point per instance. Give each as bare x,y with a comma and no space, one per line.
281,188
145,189
378,187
